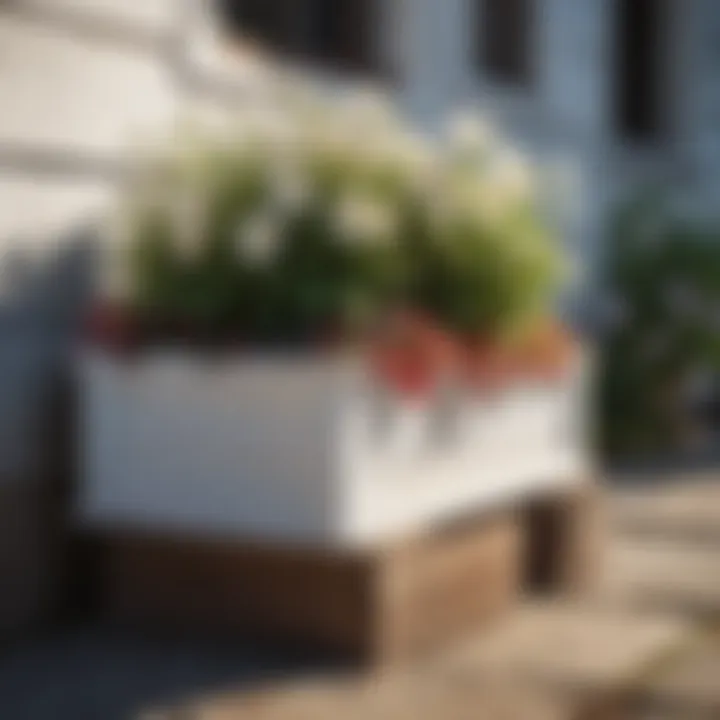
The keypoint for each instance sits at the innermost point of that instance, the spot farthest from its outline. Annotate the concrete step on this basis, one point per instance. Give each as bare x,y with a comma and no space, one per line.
578,650
690,687
685,510
661,574
685,687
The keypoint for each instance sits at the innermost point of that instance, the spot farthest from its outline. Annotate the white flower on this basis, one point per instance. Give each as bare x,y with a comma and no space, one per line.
289,188
416,158
481,191
463,195
469,133
257,239
360,219
368,110
512,175
260,129
270,123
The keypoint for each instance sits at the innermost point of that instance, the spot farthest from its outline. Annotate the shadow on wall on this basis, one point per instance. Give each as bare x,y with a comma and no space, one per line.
41,306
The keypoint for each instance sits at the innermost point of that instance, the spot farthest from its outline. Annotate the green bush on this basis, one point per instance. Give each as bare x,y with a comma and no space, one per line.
664,278
324,216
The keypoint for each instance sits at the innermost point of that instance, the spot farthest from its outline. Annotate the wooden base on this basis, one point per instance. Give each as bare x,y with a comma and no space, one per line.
380,605
564,542
30,559
377,606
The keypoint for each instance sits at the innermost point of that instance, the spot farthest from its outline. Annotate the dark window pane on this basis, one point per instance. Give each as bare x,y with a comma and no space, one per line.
256,18
639,67
322,27
335,32
506,36
355,31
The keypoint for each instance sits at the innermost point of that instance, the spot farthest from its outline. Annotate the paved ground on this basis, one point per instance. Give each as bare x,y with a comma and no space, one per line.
665,553
568,647
644,636
405,697
101,674
664,546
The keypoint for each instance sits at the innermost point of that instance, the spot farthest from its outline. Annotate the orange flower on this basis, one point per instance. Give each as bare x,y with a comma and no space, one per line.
413,354
546,351
488,366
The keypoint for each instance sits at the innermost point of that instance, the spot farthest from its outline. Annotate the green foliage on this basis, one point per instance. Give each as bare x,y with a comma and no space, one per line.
282,234
665,274
484,279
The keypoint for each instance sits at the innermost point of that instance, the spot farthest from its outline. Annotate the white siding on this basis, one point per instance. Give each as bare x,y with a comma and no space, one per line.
88,96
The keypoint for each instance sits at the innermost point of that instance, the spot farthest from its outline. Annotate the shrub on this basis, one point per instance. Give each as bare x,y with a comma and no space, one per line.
663,348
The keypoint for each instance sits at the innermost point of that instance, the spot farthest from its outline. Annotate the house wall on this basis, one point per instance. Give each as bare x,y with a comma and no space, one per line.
81,81
561,120
73,84
75,77
566,117
83,85
702,97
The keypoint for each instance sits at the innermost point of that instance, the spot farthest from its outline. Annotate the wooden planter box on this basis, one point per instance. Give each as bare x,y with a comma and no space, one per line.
289,493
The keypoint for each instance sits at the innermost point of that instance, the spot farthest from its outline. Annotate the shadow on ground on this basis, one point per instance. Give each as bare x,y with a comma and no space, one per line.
99,673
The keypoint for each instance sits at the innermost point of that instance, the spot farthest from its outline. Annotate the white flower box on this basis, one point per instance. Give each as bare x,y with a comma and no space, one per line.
297,448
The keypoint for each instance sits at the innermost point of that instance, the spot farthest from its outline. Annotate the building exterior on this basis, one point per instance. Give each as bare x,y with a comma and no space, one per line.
621,91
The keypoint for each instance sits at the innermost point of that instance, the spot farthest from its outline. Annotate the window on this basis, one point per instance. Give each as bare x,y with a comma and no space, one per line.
258,19
639,67
505,41
339,33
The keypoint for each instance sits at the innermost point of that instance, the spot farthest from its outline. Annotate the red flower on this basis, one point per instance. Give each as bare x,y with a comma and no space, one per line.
403,372
412,355
111,326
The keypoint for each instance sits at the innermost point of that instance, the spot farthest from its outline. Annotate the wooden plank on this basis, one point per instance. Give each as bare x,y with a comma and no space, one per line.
379,606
